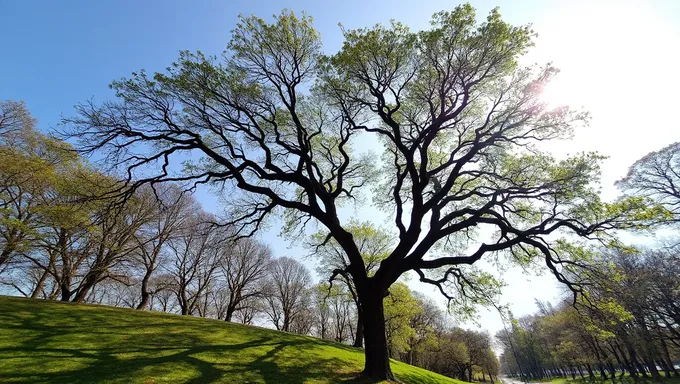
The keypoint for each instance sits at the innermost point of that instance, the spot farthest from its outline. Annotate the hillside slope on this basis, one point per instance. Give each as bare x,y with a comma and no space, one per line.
51,342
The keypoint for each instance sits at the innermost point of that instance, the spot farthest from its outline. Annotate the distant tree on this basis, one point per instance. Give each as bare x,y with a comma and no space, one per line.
478,345
342,313
244,266
14,120
425,323
251,308
657,176
164,299
112,239
400,309
457,116
172,207
194,260
320,294
73,247
303,322
286,292
31,166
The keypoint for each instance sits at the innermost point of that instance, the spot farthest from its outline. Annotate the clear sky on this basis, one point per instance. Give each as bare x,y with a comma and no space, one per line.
619,60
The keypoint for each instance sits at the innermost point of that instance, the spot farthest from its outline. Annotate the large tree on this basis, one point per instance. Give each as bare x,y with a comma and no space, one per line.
275,123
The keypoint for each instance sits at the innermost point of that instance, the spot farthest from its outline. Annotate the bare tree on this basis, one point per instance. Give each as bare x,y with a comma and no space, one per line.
244,265
657,176
249,310
286,292
320,293
195,260
173,207
113,240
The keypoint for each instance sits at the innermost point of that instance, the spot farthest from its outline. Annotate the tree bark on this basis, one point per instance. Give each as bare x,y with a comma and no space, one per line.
65,284
377,365
229,315
669,361
145,290
4,256
90,282
359,336
39,286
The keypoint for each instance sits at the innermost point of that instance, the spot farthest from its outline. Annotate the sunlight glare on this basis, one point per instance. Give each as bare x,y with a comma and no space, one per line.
559,92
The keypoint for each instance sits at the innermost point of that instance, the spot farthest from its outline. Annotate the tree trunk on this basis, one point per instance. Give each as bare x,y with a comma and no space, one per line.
230,314
664,349
622,361
612,371
183,302
651,367
4,256
603,374
90,282
634,360
666,369
590,372
65,288
377,365
40,285
231,306
145,290
359,336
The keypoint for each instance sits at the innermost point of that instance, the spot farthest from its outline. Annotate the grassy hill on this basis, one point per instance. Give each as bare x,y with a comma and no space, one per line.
50,342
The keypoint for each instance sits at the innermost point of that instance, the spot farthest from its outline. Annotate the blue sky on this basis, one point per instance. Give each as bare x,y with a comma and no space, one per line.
619,60
57,53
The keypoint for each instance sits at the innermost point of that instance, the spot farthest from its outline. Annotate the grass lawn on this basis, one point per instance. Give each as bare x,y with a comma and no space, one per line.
51,342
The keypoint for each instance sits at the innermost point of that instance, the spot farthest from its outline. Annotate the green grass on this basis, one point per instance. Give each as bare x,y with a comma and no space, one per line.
51,342
553,380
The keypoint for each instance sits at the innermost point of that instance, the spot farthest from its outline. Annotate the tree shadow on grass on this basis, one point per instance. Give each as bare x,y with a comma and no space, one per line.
129,346
106,366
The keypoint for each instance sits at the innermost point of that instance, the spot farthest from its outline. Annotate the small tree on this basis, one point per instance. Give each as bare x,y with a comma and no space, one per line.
275,122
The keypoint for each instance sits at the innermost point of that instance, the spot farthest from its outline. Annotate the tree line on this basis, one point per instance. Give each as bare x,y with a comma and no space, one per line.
627,318
626,324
